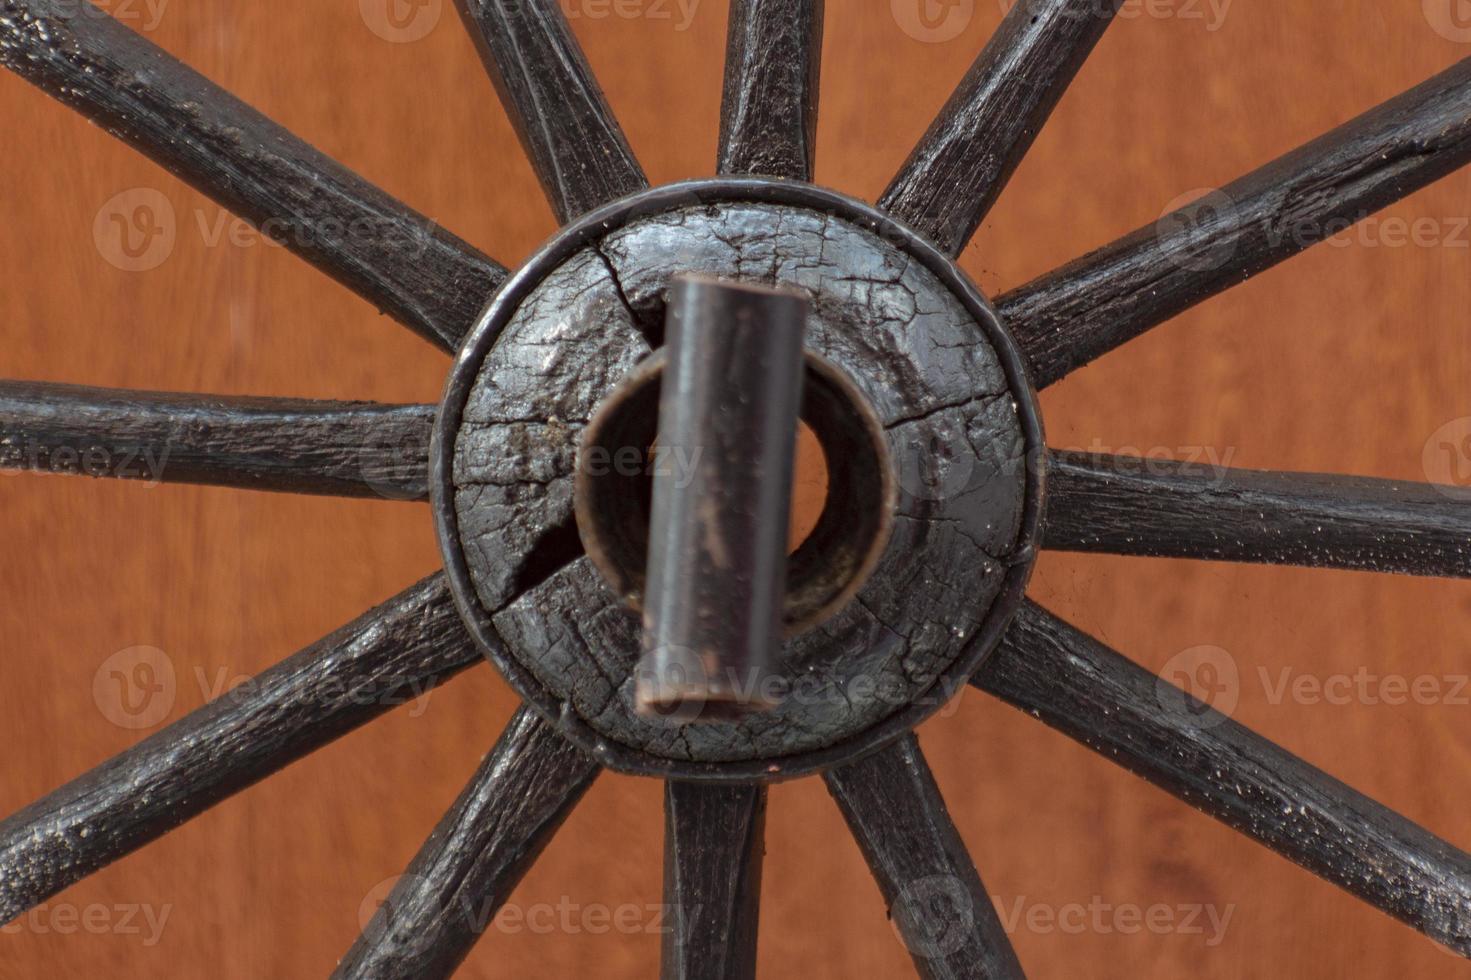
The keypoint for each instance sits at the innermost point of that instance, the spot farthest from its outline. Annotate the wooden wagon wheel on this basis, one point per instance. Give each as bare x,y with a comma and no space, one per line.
949,377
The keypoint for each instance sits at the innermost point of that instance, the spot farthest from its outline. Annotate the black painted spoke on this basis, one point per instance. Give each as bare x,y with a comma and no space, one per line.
352,449
569,131
1092,305
464,873
959,169
1127,506
1120,710
387,657
928,880
714,839
773,62
394,257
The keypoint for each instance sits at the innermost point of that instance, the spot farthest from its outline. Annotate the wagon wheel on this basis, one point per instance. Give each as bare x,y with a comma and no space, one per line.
941,396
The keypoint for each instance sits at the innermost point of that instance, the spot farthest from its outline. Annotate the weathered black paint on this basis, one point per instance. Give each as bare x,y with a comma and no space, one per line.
956,173
717,567
1077,685
450,893
394,257
385,658
773,64
1104,299
566,125
714,843
350,449
929,882
1127,506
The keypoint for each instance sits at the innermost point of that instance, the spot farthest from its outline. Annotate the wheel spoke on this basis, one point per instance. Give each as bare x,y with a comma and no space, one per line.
1129,506
1092,694
387,657
575,144
927,878
388,253
464,873
714,839
1087,308
352,449
959,169
773,61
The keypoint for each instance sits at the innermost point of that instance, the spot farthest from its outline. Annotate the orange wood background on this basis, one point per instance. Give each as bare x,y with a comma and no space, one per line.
1345,359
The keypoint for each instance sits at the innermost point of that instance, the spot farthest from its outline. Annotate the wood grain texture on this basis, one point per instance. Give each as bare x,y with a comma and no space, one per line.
1182,745
773,69
393,256
565,123
956,173
714,843
477,854
1342,359
389,656
929,882
350,449
1106,298
1160,508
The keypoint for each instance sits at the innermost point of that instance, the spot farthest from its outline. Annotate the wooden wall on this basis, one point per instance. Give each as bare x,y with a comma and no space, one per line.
1346,359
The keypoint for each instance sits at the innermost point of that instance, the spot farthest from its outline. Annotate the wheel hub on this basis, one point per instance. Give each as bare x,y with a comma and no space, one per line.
929,425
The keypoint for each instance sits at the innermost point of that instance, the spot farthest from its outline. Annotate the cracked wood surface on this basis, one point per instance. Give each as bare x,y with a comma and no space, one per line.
903,339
